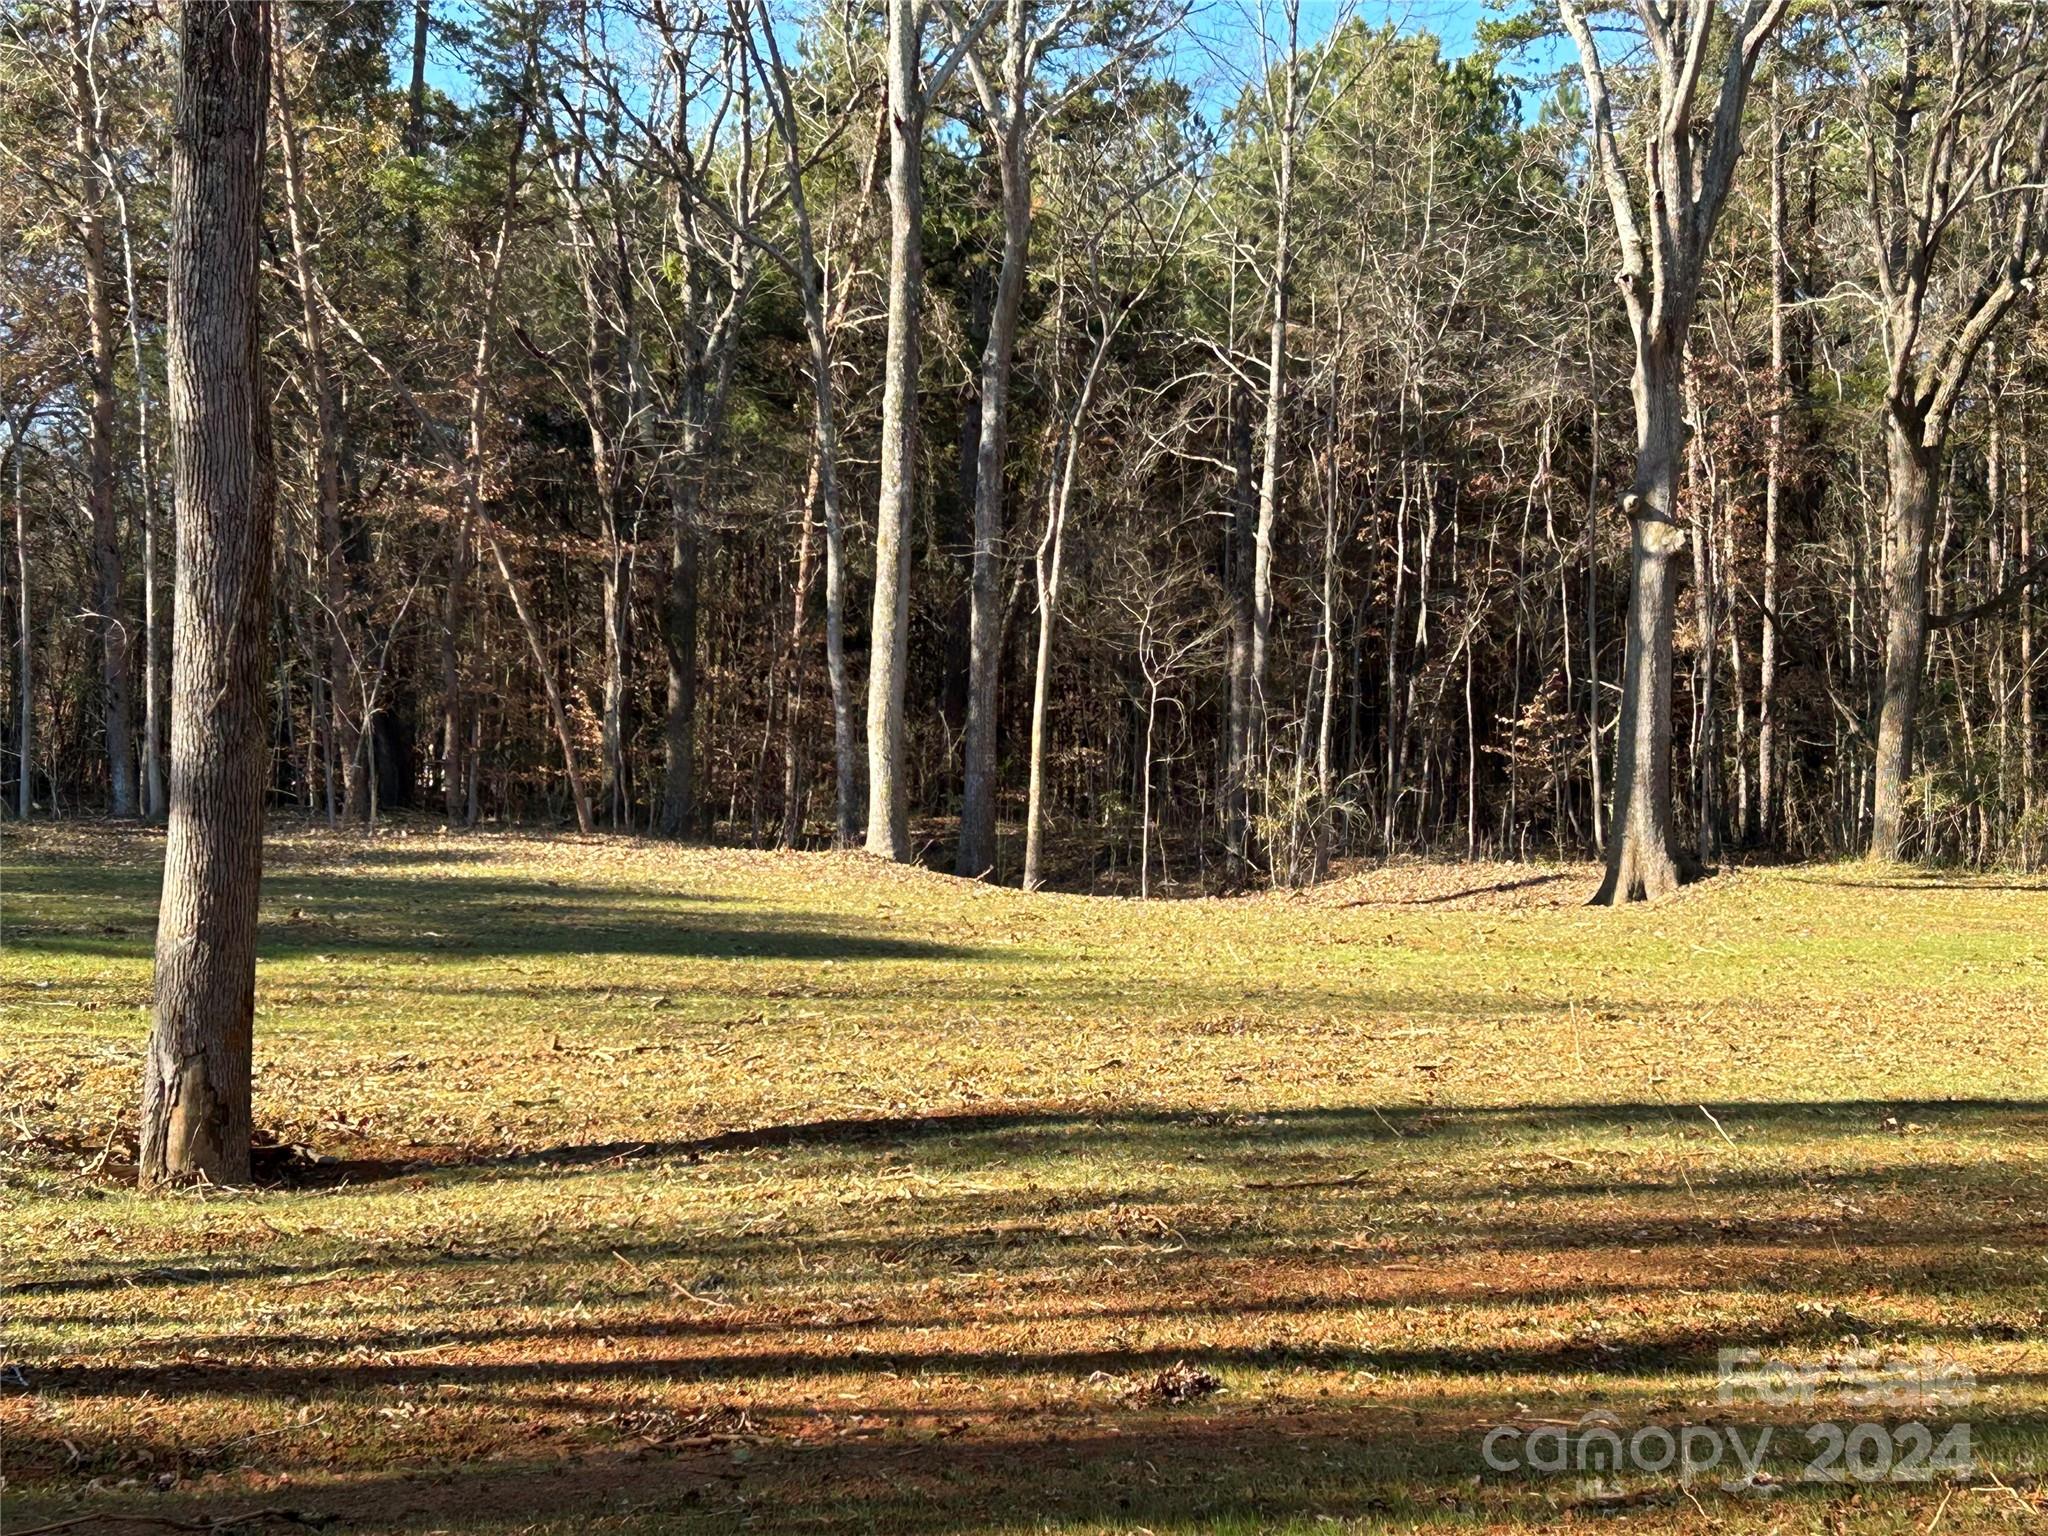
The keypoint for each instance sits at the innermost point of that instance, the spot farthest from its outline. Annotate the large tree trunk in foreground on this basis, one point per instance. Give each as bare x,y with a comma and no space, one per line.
888,801
1644,859
1908,515
195,1104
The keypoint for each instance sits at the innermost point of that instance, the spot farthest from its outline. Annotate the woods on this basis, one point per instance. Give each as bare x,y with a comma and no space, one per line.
664,392
964,766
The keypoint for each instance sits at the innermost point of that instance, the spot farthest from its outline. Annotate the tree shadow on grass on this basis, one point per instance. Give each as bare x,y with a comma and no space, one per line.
1174,1135
938,1408
371,915
1099,1461
1493,888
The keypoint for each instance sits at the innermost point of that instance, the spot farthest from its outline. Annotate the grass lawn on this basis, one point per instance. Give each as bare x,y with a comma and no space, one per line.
621,1188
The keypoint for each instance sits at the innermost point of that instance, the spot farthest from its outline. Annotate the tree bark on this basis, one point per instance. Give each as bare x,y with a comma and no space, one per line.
196,1110
977,852
1774,481
1237,575
2023,511
1644,859
1276,402
792,669
888,671
679,640
1908,514
26,736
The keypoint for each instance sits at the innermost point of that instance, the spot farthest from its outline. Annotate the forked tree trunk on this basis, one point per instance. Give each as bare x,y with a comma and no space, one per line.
1644,859
1688,173
196,1088
1908,515
888,802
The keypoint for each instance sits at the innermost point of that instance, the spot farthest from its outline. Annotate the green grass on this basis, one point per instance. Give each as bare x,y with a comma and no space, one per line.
662,1189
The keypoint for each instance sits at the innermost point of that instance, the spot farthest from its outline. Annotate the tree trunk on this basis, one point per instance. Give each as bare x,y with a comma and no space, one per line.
793,670
1644,859
26,737
2025,515
843,786
1908,515
1145,794
1276,383
146,472
1048,578
819,327
99,391
344,690
454,725
454,604
415,145
679,640
1066,460
977,852
1237,570
1706,733
888,672
196,1092
1774,480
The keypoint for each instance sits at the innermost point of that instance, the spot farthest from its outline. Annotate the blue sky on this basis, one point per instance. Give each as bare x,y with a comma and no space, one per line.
1218,41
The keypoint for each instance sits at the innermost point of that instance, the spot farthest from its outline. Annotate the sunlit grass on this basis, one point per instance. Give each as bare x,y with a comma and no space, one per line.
675,1188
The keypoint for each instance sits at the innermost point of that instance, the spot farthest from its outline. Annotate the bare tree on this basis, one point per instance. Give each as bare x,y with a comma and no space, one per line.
336,585
911,93
1010,90
1121,257
1688,166
1955,145
1166,636
825,297
90,220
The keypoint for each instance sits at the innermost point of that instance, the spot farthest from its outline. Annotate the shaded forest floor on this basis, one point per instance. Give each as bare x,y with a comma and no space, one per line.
621,1188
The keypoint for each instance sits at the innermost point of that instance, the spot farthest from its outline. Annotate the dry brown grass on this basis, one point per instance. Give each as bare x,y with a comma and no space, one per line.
641,1189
